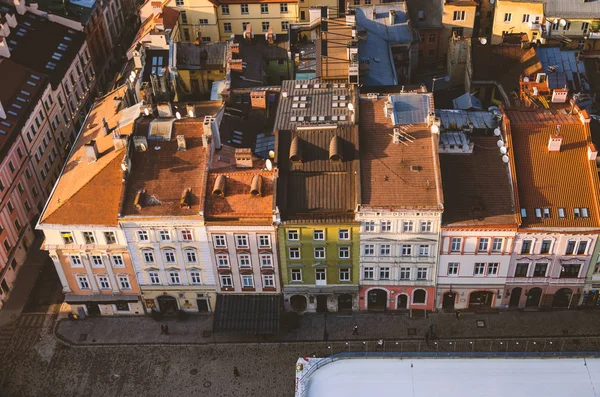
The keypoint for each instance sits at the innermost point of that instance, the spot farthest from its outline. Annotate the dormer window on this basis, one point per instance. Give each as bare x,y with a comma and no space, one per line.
561,212
584,213
546,212
576,213
523,213
538,213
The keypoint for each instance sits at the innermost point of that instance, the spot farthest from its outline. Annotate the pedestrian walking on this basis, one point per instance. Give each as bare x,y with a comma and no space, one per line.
236,372
432,331
380,343
166,329
355,330
458,314
427,338
162,329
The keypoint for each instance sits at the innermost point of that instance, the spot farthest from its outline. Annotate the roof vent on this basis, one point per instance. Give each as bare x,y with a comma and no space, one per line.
219,188
256,186
335,150
139,199
296,150
181,142
140,143
555,141
243,158
186,199
119,141
415,168
91,151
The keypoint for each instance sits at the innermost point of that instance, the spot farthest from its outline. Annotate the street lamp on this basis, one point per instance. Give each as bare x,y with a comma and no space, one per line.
445,78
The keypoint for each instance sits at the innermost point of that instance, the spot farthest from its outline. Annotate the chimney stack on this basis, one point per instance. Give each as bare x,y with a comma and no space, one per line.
20,6
105,126
91,151
181,143
4,50
374,13
555,142
592,152
2,112
243,158
392,17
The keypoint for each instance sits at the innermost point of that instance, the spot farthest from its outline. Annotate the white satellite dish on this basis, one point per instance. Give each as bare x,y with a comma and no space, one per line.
562,23
272,154
503,150
497,131
492,1
191,113
483,41
269,164
505,159
178,115
500,143
124,166
146,112
435,129
555,21
351,107
525,79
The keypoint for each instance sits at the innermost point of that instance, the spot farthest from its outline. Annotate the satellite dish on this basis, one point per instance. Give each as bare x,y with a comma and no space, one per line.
124,166
505,159
503,150
483,41
272,154
555,21
178,115
435,129
562,23
497,131
500,143
146,112
191,113
351,107
492,1
525,79
269,164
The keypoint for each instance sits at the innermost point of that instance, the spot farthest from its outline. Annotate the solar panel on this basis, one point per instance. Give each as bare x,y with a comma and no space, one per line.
410,109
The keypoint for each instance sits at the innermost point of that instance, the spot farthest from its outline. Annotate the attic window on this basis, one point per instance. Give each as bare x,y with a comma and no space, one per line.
538,213
546,212
576,212
523,213
256,187
293,118
296,150
335,150
584,212
219,187
561,212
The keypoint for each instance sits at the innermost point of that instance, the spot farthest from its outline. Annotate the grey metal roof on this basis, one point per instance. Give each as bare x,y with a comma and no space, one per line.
247,314
204,56
459,119
466,101
568,8
410,108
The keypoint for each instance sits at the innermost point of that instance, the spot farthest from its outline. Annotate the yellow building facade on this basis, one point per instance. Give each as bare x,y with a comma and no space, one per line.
457,18
197,17
517,17
304,6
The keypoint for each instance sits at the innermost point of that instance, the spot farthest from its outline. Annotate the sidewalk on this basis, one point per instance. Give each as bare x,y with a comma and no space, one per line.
197,330
25,281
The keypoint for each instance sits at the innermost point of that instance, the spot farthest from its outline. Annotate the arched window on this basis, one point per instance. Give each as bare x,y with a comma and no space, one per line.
419,296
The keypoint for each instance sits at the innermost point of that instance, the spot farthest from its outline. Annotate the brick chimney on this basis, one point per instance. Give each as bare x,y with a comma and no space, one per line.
236,64
258,99
554,143
243,158
4,50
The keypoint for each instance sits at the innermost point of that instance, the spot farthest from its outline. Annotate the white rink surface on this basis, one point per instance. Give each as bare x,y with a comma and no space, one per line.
456,378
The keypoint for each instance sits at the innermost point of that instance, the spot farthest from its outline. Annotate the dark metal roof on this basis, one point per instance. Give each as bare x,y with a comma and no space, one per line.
247,314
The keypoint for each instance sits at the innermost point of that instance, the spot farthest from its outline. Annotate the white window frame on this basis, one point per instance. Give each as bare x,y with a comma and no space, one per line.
187,235
90,239
453,247
369,249
242,241
124,283
345,251
492,269
293,235
220,241
264,241
190,252
404,273
97,260
453,268
145,253
344,275
483,245
320,250
75,260
479,269
507,17
244,260
497,247
169,256
117,260
319,235
174,278
459,15
83,282
385,226
246,277
266,260
103,283
268,281
344,234
294,250
422,271
296,275
385,273
426,226
408,226
385,250
164,235
153,278
196,277
369,273
369,226
143,235
424,250
228,278
223,260
406,250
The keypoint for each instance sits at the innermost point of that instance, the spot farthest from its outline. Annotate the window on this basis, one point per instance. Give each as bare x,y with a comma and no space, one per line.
10,206
369,226
492,269
183,17
459,16
164,235
27,206
526,247
570,248
266,260
479,269
296,275
226,281
174,278
88,237
83,282
241,241
268,281
19,153
154,278
507,17
294,252
124,283
576,213
285,25
283,8
186,235
456,244
525,18
117,261
186,34
319,235
384,273
67,237
423,250
581,248
143,235
219,241
405,273
319,253
225,9
195,278
521,270
344,274
452,269
344,252
545,246
202,21
264,241
148,256
369,273
546,212
344,234
75,261
320,275
110,237
244,24
585,26
584,212
386,226
408,226
293,235
223,260
540,270
302,15
97,261
406,250
570,271
27,175
244,8
190,255
369,250
426,226
483,244
264,8
169,256
419,296
7,246
244,260
103,282
567,26
523,213
179,3
385,249
497,245
422,273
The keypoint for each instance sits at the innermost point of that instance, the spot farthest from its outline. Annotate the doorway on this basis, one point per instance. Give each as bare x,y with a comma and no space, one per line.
377,299
202,305
481,299
449,300
533,297
562,298
402,303
515,297
345,302
167,304
321,303
321,277
92,309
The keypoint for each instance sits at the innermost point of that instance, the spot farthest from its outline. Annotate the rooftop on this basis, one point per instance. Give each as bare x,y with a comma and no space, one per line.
46,47
314,102
568,8
76,10
247,57
425,13
200,57
162,175
319,173
21,90
554,180
89,193
332,50
403,175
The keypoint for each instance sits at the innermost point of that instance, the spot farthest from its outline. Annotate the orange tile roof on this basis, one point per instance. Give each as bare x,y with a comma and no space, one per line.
386,177
90,193
565,179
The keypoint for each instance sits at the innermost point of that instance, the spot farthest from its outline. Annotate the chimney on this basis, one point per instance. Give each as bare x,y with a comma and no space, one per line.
11,21
559,95
219,186
20,6
374,13
235,48
236,64
258,99
105,126
243,158
181,143
4,50
186,199
2,112
119,141
392,17
592,152
256,187
156,7
91,151
555,142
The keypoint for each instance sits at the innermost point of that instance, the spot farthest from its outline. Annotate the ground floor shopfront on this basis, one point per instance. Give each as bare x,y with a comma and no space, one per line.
320,299
169,300
471,297
388,297
104,305
548,296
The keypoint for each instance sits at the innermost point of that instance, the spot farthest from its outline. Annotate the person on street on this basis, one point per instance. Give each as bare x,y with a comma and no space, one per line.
355,330
427,338
236,372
